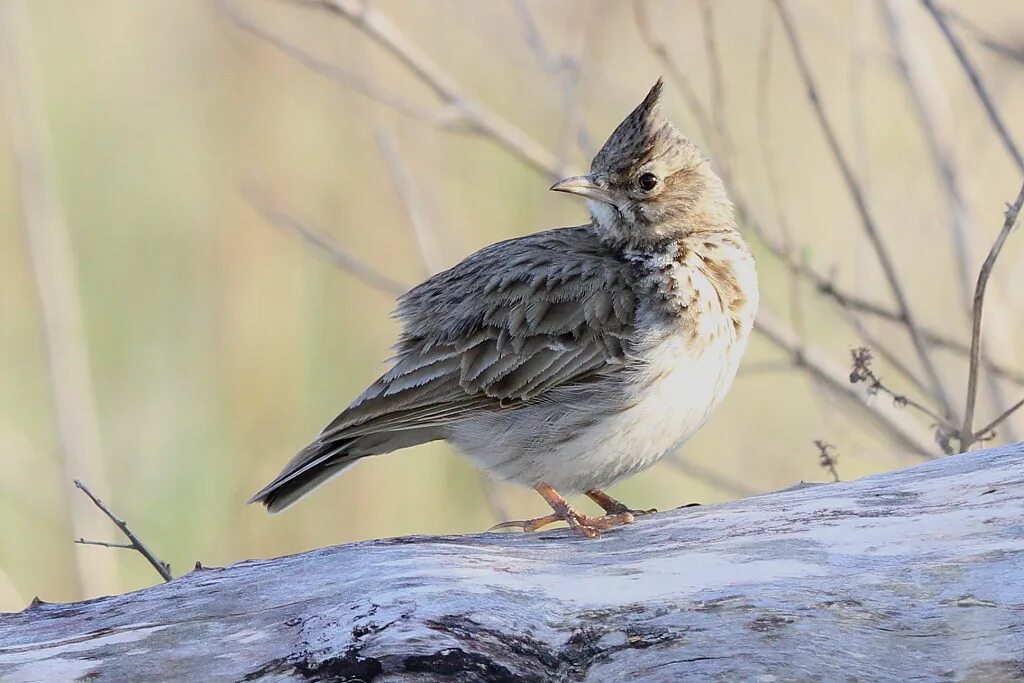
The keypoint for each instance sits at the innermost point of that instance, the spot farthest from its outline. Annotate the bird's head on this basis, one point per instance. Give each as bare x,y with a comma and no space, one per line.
648,182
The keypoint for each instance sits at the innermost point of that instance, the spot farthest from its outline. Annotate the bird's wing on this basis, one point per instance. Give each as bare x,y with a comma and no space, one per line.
501,328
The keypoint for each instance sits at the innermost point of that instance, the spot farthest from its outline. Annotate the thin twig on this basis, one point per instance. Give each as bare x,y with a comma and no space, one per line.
480,119
675,72
427,242
987,430
159,565
339,255
1012,214
786,249
984,38
863,372
717,86
104,544
445,117
52,264
931,105
974,76
867,220
827,458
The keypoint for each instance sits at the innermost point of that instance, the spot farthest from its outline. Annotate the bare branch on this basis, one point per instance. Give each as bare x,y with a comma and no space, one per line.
979,87
988,430
159,565
1012,214
933,112
867,220
429,247
338,255
984,38
785,249
477,117
675,72
104,544
715,69
443,118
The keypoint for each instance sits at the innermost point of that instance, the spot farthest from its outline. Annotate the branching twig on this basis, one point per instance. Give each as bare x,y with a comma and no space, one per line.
827,458
159,565
1012,214
338,254
862,372
867,220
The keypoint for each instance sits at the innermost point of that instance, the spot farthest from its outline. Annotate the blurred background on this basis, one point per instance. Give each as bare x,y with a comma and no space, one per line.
169,337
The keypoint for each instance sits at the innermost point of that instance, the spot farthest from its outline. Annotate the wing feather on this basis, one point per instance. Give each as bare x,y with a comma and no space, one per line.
500,329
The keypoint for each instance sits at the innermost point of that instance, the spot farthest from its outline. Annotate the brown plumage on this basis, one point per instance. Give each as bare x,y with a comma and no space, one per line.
573,357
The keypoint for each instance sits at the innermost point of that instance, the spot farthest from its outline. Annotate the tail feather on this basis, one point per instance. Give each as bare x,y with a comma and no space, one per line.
323,460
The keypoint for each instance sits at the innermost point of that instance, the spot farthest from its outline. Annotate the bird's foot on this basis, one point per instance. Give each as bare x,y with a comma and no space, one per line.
614,507
584,525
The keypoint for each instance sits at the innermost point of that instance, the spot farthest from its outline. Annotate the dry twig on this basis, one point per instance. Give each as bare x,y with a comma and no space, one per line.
339,255
967,436
827,458
885,260
988,431
862,372
134,543
932,109
979,87
475,116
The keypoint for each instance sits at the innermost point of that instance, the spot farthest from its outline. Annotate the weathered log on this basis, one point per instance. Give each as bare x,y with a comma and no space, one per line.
911,575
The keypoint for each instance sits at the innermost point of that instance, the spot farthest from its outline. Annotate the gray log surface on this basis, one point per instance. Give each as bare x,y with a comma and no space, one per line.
915,575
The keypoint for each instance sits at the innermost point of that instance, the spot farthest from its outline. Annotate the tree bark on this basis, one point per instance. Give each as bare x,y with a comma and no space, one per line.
911,575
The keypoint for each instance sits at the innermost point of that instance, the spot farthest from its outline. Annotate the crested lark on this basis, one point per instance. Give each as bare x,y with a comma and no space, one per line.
571,358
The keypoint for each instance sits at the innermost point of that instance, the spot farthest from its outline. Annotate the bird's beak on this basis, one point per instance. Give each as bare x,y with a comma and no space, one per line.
584,186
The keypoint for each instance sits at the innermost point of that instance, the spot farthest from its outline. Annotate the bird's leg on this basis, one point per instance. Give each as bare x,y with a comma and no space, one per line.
612,506
578,522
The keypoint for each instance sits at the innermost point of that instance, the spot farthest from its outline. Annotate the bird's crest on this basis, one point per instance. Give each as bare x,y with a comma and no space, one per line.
642,136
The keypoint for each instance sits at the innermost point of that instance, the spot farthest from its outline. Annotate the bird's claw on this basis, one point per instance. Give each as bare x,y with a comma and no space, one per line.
584,525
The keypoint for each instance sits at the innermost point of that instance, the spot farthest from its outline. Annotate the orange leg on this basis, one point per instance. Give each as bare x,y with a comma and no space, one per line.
612,506
578,522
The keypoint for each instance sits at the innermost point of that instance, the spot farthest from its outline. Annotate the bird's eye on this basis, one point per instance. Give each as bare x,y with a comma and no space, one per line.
647,181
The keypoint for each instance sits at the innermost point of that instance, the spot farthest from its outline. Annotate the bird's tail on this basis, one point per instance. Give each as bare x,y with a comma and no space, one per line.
325,459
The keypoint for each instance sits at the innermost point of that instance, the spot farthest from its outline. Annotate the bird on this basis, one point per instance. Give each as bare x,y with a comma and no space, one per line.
568,359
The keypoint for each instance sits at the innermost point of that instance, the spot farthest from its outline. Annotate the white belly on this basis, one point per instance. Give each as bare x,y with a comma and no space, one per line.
584,442
684,389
